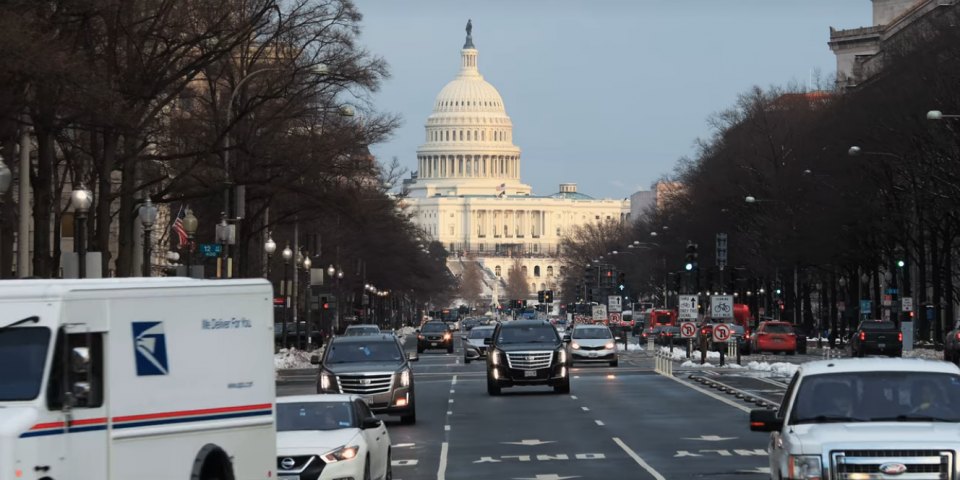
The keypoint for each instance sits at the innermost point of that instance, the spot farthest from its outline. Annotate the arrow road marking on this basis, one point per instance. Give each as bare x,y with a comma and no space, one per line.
530,443
549,476
711,438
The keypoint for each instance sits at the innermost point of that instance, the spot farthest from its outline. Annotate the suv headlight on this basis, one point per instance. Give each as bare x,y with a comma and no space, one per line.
341,454
562,355
326,381
446,336
805,467
609,346
405,377
495,357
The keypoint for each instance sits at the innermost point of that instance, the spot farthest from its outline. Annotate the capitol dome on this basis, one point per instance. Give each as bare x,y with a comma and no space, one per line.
469,137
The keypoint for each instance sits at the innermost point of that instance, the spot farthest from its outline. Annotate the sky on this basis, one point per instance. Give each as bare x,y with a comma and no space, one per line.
608,94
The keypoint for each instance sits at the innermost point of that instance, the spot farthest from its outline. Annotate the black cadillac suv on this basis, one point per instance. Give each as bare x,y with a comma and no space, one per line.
527,352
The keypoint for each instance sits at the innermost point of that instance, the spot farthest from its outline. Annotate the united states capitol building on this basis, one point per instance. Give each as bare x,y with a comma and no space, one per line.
468,195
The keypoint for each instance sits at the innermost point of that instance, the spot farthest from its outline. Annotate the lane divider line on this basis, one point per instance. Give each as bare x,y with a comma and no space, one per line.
442,469
573,397
644,465
600,423
585,409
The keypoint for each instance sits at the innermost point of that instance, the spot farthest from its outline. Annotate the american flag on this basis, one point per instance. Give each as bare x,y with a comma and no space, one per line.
178,229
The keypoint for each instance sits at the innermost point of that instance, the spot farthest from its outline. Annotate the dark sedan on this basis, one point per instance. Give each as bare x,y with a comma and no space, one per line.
876,337
667,335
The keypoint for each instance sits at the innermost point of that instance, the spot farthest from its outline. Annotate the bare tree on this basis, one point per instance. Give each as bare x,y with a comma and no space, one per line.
517,287
471,281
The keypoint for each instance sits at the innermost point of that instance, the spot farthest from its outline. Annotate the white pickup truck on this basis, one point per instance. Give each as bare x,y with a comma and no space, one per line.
872,418
145,378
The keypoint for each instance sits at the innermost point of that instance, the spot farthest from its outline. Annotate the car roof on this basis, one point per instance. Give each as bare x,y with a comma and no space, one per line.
484,327
854,365
318,397
363,325
526,323
382,337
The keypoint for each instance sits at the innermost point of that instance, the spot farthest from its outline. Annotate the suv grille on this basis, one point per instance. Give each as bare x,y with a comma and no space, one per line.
920,464
365,384
529,360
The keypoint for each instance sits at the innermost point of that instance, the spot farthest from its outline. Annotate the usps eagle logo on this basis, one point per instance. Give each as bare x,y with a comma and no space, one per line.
150,348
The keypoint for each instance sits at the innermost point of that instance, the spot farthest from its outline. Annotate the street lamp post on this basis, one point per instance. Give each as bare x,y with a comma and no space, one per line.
269,247
190,225
287,255
172,259
148,217
307,263
81,199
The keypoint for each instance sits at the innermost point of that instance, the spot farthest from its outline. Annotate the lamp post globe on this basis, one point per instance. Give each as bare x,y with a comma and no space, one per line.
287,254
934,115
854,151
340,274
331,271
270,247
172,256
307,263
81,199
148,217
5,177
750,199
190,223
148,213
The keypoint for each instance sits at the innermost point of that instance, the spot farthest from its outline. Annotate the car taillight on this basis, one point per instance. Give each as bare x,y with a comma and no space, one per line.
900,336
958,335
863,336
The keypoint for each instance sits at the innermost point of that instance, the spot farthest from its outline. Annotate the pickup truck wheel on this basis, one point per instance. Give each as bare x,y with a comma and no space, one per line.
450,349
614,363
492,388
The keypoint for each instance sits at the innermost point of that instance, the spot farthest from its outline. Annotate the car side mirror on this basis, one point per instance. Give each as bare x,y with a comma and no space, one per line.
765,421
413,357
488,341
80,359
371,422
314,360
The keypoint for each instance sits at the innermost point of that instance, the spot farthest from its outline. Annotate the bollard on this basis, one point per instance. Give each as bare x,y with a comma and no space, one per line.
689,346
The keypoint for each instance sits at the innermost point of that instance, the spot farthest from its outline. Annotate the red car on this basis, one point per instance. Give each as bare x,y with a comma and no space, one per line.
774,337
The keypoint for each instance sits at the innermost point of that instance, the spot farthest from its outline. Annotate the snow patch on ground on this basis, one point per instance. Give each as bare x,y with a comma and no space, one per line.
294,358
780,369
631,347
407,331
680,354
927,353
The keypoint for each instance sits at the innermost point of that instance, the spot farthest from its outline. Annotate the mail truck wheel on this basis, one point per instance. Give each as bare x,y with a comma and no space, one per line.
212,463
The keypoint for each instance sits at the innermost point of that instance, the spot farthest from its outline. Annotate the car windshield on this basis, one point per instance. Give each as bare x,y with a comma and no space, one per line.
481,333
777,328
23,352
314,416
435,327
528,334
358,352
878,396
591,333
661,318
366,330
878,326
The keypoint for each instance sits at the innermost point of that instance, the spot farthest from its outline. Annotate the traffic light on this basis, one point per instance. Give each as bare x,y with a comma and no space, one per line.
691,256
541,295
621,282
548,296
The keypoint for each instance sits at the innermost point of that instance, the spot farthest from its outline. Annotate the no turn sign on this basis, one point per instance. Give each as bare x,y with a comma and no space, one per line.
688,330
721,332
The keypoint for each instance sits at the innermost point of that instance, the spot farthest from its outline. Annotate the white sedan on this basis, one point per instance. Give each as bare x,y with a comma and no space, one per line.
323,437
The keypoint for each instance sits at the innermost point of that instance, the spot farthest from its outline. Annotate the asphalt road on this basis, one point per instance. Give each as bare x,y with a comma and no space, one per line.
623,422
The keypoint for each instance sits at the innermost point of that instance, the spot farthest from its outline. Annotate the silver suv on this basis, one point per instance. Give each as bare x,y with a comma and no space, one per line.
866,418
374,367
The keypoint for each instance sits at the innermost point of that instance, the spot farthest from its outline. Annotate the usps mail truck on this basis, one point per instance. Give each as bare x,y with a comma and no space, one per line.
136,378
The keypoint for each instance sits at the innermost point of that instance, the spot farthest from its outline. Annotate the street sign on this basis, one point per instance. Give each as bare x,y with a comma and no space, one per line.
887,300
721,306
211,249
688,307
866,307
722,250
615,318
599,313
907,304
614,303
688,330
721,332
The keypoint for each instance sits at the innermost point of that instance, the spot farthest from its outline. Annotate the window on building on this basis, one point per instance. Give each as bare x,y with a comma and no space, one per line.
496,270
533,286
558,231
523,269
536,271
549,271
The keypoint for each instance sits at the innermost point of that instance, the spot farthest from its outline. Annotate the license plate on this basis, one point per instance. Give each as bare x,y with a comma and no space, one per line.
592,354
433,344
289,477
882,345
530,373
